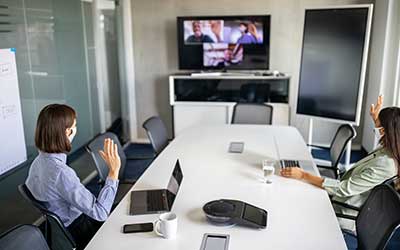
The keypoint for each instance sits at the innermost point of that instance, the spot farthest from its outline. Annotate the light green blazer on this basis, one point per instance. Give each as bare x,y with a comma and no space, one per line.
355,185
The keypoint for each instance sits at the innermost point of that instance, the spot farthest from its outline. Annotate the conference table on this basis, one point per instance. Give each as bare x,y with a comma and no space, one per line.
300,216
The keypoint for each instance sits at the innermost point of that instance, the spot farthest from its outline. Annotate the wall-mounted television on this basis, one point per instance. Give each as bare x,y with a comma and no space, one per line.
224,42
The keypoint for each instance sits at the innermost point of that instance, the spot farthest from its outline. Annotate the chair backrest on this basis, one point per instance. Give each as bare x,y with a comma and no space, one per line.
252,113
157,133
23,237
57,236
378,219
96,145
343,135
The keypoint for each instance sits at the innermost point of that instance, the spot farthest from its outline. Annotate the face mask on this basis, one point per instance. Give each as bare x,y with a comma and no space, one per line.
377,133
72,135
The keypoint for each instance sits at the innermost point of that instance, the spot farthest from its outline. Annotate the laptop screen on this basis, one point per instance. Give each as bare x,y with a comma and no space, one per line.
176,179
174,184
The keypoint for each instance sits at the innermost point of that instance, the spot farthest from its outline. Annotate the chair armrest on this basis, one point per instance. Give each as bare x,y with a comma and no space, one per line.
127,181
140,158
345,216
325,167
124,181
345,205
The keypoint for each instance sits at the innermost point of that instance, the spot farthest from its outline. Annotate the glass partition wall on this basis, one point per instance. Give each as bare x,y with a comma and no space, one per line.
66,52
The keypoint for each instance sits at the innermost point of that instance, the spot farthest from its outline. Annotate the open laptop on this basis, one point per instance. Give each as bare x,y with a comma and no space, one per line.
288,163
158,200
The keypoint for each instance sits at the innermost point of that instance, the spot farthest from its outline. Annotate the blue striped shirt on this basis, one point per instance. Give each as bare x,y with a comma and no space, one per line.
54,183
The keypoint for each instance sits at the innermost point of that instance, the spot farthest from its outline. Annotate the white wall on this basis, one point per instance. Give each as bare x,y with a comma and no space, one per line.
383,62
155,48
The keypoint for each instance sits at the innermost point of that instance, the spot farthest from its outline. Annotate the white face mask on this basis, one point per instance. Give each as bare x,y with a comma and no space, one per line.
72,135
377,133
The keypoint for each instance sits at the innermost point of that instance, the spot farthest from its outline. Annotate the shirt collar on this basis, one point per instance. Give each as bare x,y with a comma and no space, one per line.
58,156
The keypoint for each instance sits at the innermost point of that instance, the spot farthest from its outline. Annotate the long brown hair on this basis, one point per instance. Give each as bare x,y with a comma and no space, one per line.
389,119
52,122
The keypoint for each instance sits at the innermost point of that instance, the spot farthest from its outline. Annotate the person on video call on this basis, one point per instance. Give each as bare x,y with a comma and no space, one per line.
356,183
198,36
247,37
56,185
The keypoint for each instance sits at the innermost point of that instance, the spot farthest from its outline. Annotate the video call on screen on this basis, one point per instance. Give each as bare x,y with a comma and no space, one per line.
221,43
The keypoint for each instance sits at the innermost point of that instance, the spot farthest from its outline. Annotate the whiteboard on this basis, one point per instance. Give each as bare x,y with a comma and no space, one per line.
12,145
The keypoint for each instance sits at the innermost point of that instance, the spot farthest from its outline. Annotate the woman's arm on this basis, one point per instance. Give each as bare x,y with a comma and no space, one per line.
76,194
300,174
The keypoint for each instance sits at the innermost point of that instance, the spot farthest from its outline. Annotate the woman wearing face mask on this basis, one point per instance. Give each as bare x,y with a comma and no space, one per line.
355,185
57,186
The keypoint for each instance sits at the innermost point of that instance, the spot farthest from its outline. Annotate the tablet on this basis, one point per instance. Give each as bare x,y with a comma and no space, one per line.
236,147
215,242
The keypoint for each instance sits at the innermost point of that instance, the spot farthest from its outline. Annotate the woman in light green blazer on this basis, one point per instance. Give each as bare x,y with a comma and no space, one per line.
381,164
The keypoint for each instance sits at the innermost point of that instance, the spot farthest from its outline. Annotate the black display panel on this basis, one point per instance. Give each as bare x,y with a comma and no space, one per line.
224,42
255,215
232,90
332,63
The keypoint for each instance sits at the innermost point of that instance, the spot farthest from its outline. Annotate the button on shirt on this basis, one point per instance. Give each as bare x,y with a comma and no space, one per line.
54,183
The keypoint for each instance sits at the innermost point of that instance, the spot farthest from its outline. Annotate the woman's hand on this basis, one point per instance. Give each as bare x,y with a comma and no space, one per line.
293,172
111,157
375,109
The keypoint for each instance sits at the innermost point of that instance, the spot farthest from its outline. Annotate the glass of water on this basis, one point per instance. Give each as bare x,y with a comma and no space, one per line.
268,170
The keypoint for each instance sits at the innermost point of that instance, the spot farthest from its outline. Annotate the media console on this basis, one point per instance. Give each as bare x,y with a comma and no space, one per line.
209,99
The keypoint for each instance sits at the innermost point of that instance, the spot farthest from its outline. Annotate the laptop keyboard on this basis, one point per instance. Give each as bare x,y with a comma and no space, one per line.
289,164
155,201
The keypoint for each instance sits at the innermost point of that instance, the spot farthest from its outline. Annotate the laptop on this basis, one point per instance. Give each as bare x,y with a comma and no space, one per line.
289,163
158,200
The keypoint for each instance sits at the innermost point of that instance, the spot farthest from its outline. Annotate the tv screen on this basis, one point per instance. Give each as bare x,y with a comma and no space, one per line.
224,42
333,63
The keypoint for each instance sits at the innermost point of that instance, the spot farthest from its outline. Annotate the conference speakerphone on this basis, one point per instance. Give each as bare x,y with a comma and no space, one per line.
233,212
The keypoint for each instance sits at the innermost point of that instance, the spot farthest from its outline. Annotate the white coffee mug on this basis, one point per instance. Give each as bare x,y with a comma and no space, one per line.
167,225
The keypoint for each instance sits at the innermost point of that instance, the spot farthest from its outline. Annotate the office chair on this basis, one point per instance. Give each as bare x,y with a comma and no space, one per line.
23,237
377,220
57,236
252,113
157,133
343,135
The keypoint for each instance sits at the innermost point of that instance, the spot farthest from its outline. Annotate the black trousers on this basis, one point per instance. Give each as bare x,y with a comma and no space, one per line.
83,229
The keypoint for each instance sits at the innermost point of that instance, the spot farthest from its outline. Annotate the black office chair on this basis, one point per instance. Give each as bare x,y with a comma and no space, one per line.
252,113
157,133
93,148
343,135
57,236
377,220
23,237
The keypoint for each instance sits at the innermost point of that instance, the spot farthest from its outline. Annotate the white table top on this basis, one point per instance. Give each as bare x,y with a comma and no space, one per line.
300,215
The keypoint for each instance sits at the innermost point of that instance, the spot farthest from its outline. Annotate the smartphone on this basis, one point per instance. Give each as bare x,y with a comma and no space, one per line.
215,242
138,228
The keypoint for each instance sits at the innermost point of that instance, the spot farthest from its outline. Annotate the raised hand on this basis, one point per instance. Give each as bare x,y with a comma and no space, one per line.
375,109
111,157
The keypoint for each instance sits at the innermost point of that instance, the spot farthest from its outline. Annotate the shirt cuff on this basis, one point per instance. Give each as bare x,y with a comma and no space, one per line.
330,185
328,182
112,182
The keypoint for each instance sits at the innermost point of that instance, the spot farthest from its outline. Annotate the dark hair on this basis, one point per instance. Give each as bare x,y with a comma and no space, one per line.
389,119
52,122
245,25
